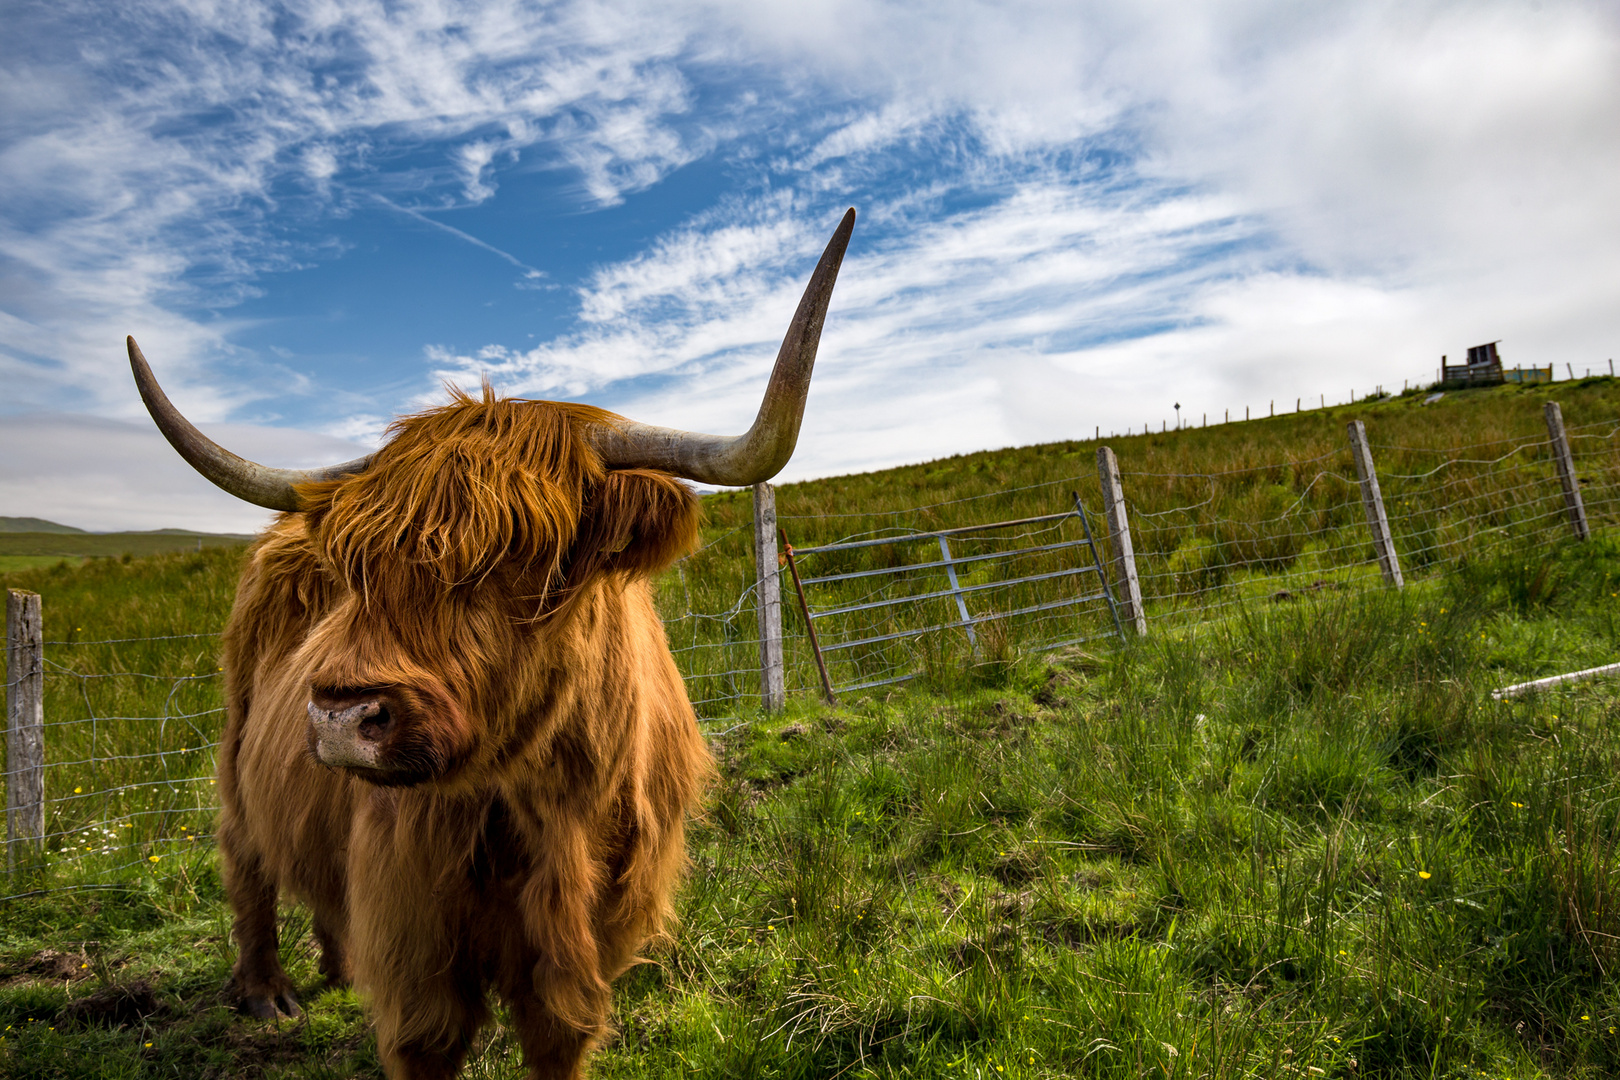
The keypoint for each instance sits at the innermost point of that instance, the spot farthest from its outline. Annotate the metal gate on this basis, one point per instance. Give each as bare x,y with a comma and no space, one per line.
880,608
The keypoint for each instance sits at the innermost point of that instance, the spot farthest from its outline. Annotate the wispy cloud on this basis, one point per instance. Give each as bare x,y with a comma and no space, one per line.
1044,273
1066,206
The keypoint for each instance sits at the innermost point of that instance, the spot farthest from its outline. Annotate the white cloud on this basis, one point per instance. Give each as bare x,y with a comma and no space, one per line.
1418,138
474,158
1070,210
111,475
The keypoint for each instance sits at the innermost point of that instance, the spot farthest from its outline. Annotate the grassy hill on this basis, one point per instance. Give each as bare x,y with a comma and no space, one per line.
33,542
34,525
1018,481
1303,841
1220,513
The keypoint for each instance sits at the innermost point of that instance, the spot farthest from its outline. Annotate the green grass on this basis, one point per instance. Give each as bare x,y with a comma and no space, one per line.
111,545
12,563
1302,839
132,697
1202,855
40,548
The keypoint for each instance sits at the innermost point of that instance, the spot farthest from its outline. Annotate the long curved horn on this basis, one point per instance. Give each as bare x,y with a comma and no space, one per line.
251,482
760,453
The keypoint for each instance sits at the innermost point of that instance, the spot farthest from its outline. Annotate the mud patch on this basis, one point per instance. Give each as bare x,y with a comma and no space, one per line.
120,1005
50,964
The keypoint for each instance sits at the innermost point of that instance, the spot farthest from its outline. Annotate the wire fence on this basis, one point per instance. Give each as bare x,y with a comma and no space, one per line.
129,758
132,723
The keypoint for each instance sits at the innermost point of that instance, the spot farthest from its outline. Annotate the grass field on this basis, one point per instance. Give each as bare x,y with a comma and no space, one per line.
1295,838
32,550
1304,839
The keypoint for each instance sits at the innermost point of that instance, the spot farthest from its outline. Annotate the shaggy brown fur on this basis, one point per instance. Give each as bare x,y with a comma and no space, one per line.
486,580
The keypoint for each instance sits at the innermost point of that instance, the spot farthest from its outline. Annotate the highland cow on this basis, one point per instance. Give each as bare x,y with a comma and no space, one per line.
454,727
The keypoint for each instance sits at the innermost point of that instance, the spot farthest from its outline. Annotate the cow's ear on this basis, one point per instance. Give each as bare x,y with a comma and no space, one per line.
636,522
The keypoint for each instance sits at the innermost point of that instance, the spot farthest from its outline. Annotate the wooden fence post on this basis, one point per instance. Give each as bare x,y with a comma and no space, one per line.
1566,470
768,600
1120,530
25,722
809,623
1372,500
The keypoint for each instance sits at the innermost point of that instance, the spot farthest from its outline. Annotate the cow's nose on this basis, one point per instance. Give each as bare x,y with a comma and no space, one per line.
367,720
348,727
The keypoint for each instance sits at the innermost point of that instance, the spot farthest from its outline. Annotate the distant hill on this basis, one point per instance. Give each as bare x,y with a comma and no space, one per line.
28,542
178,532
35,525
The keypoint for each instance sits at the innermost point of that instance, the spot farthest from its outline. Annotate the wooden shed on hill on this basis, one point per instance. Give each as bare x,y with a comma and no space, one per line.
1484,368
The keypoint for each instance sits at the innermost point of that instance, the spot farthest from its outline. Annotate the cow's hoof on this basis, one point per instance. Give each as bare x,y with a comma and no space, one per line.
265,1005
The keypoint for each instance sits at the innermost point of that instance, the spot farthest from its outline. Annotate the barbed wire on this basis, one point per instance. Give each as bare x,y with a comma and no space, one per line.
124,641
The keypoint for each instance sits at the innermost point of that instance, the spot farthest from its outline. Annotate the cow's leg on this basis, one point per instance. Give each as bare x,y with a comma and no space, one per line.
331,931
552,1050
424,1027
258,984
415,1061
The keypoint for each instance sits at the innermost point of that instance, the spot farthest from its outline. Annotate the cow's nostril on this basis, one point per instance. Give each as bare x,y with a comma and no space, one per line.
374,727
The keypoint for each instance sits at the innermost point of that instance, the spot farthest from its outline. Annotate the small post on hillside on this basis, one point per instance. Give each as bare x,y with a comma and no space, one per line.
25,722
1372,500
1119,529
1566,470
768,600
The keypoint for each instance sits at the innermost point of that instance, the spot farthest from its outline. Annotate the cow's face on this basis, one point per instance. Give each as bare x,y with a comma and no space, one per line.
457,562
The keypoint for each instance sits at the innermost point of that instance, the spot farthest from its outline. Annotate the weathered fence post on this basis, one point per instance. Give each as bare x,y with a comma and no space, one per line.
809,623
1566,470
25,722
1120,530
768,600
1372,500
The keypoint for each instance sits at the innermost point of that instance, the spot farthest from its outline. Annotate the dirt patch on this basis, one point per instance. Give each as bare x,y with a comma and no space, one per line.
52,965
1074,933
1000,948
832,723
638,1033
120,1005
256,1052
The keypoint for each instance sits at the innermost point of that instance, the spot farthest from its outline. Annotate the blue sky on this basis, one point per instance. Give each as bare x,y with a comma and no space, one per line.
1073,215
